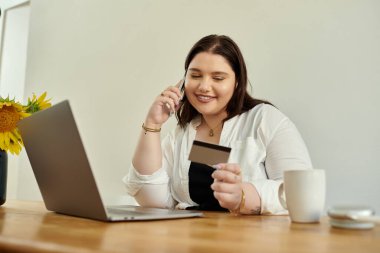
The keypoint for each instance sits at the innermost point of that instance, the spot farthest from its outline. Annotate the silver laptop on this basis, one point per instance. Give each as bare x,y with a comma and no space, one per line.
63,172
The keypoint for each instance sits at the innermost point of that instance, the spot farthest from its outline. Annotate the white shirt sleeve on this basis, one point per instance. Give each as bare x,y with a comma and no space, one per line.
153,190
285,150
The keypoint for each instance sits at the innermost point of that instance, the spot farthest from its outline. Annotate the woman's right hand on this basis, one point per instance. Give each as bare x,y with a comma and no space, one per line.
163,106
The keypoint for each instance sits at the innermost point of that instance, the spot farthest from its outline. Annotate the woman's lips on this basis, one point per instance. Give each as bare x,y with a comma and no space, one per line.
204,99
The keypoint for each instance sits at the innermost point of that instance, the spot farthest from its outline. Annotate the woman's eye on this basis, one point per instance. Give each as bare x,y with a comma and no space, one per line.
195,76
218,78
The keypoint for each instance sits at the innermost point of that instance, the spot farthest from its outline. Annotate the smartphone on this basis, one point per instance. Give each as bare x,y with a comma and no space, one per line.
182,87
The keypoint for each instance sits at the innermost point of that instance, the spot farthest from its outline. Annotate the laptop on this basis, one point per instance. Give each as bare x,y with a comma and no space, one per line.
63,173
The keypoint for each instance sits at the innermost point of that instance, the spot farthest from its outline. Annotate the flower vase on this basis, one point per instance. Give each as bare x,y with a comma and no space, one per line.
3,176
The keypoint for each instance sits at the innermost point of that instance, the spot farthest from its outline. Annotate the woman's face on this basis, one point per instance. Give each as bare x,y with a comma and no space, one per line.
210,83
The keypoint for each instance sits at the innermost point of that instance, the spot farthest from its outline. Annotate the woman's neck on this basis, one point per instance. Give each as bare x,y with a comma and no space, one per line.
213,121
211,128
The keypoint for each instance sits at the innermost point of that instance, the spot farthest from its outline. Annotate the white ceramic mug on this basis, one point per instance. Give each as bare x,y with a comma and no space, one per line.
305,192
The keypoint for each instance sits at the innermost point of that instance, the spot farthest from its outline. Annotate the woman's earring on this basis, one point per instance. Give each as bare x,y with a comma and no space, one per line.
236,85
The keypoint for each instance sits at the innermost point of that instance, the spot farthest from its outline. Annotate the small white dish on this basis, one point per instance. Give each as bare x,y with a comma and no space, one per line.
352,217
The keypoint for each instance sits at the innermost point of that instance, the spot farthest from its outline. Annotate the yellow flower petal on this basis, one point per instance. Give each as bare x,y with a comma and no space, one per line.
16,133
6,139
2,141
16,148
41,98
13,137
24,114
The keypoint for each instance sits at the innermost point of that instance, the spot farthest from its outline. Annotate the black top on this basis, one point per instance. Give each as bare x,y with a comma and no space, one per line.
200,181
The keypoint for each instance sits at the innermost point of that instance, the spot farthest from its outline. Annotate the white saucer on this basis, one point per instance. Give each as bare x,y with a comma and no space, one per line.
350,224
342,217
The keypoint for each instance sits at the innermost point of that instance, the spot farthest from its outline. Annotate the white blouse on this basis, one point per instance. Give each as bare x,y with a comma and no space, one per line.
264,143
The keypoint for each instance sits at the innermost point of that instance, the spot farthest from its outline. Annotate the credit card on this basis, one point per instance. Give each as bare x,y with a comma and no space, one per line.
209,154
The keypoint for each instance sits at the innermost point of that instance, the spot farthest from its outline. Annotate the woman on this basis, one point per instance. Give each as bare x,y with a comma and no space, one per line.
215,108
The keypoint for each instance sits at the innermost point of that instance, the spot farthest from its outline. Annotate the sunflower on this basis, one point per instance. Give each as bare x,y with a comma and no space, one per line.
36,104
11,112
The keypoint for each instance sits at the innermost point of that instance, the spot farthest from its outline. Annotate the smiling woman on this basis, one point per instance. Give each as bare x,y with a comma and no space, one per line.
216,108
210,85
223,61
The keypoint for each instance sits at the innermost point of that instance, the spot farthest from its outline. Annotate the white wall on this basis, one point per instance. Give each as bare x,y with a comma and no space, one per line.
15,20
318,61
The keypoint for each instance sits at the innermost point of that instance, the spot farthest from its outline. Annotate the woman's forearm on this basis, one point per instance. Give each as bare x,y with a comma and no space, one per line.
148,154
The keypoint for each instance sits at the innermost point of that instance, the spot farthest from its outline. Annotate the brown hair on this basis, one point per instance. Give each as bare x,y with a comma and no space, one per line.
240,101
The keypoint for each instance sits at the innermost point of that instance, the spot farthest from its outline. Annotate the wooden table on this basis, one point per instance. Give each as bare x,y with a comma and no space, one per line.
29,227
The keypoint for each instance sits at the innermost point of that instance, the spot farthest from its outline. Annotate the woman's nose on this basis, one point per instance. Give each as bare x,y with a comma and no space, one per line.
204,85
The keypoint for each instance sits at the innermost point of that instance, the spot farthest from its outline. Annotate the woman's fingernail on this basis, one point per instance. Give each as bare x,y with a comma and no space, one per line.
217,166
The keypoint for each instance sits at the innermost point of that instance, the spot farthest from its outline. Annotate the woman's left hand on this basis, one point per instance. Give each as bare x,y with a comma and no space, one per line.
227,185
